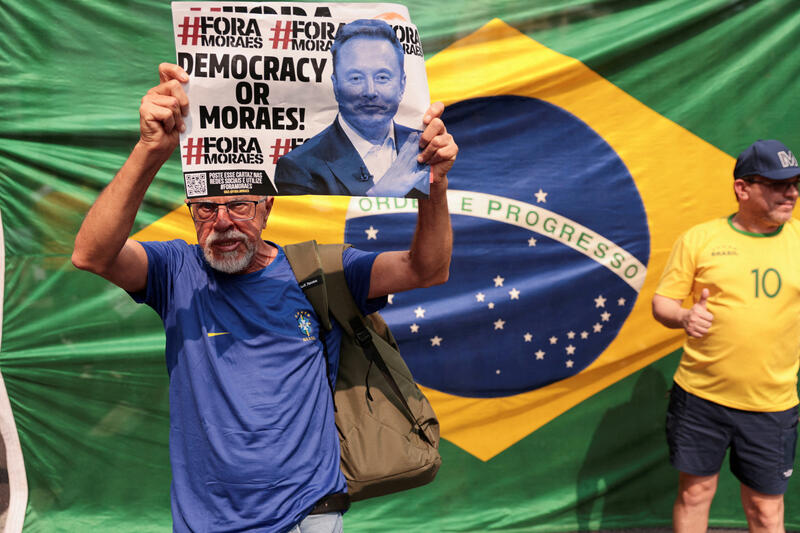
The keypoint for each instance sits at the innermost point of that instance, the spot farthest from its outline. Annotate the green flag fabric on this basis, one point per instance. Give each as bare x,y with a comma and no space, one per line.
586,128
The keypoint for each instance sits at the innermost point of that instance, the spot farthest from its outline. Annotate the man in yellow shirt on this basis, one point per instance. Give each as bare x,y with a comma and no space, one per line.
736,385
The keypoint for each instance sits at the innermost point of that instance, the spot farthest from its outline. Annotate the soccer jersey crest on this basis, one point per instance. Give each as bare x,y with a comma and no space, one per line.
304,324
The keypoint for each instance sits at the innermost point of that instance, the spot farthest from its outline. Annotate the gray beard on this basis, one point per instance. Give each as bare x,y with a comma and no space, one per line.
229,262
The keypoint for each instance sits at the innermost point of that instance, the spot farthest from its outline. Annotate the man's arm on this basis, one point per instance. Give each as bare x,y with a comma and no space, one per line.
102,245
427,262
696,320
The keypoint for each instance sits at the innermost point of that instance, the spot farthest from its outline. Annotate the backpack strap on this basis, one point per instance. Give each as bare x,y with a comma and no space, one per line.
305,262
340,300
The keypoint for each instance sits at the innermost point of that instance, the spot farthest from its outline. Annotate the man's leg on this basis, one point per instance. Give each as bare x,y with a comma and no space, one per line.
698,436
764,512
690,512
762,457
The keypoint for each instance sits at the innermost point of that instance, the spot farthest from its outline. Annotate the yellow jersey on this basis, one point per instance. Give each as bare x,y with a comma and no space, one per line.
749,357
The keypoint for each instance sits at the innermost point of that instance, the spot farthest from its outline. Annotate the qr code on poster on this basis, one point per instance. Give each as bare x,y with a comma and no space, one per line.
196,184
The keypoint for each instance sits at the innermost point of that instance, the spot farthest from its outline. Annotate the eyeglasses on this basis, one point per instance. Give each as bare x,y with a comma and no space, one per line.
776,186
238,210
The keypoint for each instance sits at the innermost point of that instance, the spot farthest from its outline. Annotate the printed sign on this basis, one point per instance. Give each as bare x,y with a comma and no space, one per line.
300,98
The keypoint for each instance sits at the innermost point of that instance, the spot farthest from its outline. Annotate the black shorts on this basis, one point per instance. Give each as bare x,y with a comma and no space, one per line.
762,444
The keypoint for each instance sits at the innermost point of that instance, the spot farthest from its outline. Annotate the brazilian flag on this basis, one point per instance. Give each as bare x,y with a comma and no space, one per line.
591,134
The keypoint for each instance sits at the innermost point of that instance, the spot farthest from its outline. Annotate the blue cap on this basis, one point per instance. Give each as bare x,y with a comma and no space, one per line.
769,158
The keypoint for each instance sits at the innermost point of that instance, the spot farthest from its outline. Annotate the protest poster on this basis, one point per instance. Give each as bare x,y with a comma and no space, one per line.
263,86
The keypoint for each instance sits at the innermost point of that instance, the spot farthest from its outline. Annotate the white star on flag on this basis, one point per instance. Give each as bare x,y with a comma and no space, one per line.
436,341
497,371
584,334
514,293
539,354
498,281
531,242
570,349
490,305
570,334
390,298
528,337
600,301
480,297
605,316
597,327
372,233
541,196
420,312
621,301
569,363
499,323
553,340
414,328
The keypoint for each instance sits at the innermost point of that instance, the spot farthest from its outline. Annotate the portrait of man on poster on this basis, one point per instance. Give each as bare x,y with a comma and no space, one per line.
364,152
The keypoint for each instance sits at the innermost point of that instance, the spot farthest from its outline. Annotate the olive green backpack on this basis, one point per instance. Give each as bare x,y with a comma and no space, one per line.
388,431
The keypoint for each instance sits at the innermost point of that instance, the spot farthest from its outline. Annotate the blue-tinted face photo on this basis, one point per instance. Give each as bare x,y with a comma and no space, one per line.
368,84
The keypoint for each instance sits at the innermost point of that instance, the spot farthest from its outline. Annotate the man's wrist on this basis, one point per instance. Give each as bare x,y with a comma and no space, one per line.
145,161
683,317
151,154
438,189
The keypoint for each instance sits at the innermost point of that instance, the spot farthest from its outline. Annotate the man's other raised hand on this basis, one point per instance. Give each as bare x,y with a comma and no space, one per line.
162,111
439,150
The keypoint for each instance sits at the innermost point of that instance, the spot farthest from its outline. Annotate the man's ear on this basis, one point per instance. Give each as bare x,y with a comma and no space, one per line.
741,190
402,86
267,210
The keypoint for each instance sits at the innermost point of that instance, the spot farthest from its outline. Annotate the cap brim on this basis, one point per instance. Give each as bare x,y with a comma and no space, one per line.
782,174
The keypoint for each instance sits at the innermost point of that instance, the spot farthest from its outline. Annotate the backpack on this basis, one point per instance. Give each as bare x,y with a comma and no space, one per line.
388,432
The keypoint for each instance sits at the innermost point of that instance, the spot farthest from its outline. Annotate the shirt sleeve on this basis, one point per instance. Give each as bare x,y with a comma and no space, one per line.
678,277
164,259
357,270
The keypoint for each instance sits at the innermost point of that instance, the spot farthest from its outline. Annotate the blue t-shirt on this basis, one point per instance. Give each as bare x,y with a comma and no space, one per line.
253,444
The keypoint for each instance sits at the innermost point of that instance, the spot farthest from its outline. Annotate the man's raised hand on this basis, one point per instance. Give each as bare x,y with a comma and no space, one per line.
162,111
434,147
439,150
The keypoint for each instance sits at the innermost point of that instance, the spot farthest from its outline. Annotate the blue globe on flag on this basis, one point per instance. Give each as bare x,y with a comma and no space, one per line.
550,251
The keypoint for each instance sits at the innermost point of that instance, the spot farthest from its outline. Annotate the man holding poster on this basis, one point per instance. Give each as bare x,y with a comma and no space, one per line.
363,152
253,444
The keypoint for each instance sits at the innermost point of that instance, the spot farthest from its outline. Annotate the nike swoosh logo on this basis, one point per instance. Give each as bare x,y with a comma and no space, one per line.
214,334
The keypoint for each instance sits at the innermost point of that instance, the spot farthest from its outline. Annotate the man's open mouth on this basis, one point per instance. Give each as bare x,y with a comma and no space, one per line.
226,246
